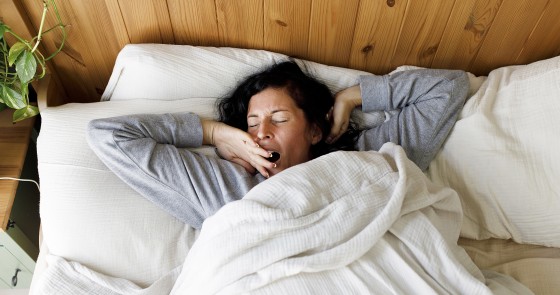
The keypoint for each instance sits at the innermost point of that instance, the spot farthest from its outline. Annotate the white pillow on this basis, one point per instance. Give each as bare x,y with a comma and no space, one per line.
169,72
502,156
89,215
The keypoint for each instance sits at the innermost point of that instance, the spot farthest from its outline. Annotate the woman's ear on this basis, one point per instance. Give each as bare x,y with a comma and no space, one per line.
316,134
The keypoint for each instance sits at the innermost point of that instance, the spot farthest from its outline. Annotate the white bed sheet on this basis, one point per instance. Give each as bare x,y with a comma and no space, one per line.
537,267
387,224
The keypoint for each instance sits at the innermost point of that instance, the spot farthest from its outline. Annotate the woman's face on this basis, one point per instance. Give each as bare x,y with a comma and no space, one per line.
279,125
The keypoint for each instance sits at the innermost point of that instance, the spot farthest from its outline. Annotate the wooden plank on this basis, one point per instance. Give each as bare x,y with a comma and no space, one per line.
13,14
194,22
240,23
421,33
468,24
91,48
365,34
331,31
165,27
508,34
71,61
14,141
8,189
286,26
544,40
147,21
119,27
80,83
376,35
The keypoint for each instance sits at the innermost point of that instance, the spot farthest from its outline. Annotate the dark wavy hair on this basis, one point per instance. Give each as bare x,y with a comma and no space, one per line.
310,95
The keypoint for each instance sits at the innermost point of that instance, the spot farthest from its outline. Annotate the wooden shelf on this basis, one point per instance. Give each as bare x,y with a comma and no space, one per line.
14,141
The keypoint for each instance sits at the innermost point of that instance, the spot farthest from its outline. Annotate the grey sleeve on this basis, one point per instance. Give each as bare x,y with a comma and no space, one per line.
425,106
148,152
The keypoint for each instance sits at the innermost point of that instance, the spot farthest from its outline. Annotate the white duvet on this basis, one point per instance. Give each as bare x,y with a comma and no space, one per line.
346,223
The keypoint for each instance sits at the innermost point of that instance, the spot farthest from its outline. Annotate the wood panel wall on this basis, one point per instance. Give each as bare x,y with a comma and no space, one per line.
370,35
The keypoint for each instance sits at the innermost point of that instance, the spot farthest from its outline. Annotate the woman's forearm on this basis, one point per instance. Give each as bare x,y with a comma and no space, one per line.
208,128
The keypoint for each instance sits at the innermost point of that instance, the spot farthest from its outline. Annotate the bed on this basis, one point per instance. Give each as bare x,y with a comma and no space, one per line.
502,204
483,219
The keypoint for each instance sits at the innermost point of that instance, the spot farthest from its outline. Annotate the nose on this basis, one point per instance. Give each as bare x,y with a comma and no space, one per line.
264,131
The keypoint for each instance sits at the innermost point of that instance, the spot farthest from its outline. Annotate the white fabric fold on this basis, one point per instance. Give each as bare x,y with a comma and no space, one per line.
345,223
64,277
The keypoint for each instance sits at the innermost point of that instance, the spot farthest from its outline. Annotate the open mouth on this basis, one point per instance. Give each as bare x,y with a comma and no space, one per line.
274,156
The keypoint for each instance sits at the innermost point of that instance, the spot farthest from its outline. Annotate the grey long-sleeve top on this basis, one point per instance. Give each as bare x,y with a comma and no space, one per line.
149,152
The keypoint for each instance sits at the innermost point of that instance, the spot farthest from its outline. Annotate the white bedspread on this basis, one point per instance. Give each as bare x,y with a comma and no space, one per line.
346,223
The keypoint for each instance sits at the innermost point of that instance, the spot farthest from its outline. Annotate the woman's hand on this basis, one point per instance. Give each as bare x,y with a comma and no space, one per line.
345,101
237,146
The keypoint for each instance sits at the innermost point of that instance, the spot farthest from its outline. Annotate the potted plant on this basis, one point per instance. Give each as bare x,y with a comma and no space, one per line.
22,63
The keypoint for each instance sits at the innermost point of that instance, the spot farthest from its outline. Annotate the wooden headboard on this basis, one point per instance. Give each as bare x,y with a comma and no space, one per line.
370,35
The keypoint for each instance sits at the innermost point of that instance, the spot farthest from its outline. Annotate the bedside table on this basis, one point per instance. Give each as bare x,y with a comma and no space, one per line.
16,249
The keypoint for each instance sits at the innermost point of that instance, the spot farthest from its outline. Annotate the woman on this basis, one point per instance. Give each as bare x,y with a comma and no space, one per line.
282,115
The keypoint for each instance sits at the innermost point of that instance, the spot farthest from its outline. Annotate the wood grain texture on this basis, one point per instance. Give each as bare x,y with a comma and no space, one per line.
14,141
8,189
331,29
117,21
91,43
421,32
512,27
371,35
465,32
544,40
378,26
74,57
194,22
147,21
240,23
286,26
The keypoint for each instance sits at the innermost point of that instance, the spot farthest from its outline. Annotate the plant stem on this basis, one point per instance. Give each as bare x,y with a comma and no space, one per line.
62,28
39,37
20,39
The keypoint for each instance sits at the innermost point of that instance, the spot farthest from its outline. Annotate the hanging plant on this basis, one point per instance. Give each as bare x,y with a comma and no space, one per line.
22,63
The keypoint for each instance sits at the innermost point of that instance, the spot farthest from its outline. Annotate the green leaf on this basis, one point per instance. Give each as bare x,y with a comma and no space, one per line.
12,98
26,66
2,95
15,51
2,107
2,30
24,113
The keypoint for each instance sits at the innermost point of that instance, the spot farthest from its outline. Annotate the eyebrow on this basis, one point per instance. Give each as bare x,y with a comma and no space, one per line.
273,112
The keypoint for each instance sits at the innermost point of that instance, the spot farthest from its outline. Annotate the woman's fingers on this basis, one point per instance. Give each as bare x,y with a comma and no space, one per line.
340,121
337,131
256,156
246,165
240,148
251,168
258,150
345,101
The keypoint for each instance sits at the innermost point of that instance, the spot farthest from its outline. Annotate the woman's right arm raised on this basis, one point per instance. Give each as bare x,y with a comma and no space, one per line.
148,152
